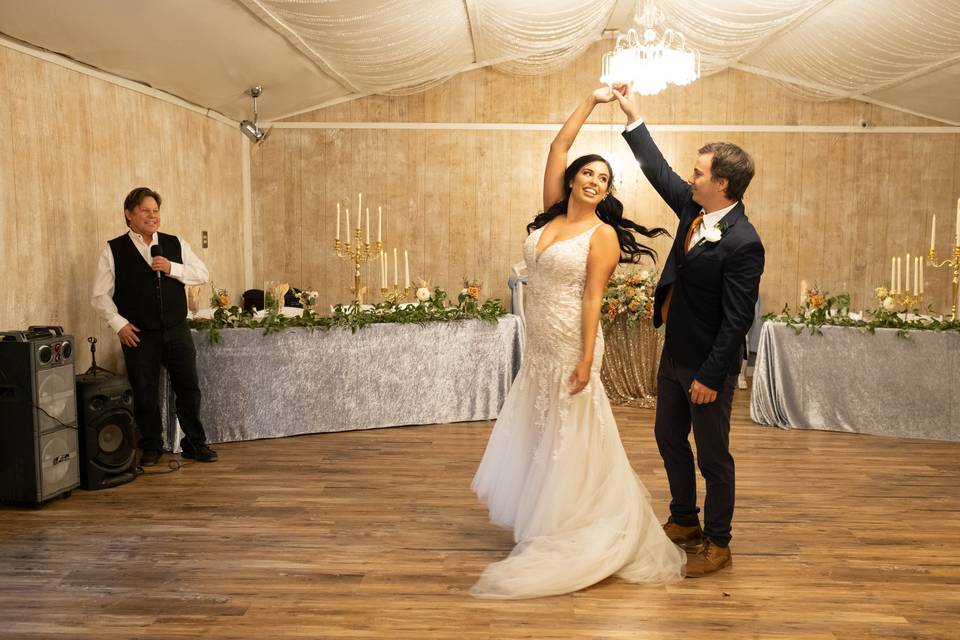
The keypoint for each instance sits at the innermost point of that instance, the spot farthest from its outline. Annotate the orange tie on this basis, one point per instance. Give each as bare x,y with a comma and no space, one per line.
686,249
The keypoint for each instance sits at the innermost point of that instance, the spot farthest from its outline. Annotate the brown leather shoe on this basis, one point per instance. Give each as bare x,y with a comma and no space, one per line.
684,537
708,559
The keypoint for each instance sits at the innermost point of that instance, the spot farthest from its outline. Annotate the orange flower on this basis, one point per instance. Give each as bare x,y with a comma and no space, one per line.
474,292
630,292
816,301
634,305
224,300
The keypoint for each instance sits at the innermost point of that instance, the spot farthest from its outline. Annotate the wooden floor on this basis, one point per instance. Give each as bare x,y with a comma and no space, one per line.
375,534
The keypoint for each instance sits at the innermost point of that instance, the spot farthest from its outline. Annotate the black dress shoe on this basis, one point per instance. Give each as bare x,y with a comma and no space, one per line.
200,453
150,457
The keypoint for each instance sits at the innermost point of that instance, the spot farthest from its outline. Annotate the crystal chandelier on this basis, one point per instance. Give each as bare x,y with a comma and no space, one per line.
651,61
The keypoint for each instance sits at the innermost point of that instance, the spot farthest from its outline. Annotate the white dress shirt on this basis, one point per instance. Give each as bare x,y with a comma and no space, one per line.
709,220
191,271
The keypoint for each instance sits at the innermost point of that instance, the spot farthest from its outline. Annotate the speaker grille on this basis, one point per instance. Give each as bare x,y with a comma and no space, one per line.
55,395
59,459
115,446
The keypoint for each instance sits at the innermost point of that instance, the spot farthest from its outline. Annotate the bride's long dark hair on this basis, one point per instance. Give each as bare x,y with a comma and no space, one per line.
610,210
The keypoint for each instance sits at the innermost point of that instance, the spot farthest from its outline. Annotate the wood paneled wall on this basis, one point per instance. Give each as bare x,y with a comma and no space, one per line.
831,207
71,147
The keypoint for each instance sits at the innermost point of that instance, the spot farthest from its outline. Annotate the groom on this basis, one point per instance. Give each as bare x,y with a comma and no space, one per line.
706,297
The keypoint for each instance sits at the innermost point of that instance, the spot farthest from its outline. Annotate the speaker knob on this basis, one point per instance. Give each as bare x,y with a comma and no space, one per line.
67,349
96,403
45,353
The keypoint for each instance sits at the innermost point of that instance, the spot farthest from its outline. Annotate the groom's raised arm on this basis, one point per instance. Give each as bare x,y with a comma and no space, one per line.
674,190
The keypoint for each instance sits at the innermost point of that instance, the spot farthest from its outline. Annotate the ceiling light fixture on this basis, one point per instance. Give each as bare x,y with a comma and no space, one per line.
651,61
250,129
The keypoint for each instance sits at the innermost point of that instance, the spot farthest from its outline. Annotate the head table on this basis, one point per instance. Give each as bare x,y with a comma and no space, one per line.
300,381
850,380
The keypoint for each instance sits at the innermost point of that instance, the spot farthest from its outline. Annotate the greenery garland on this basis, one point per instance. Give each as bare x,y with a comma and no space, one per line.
820,309
434,309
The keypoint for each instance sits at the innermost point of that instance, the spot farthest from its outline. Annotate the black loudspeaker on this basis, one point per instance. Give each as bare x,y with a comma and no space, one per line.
108,434
38,416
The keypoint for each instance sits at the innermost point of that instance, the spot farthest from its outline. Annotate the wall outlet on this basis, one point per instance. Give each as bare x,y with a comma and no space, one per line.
203,239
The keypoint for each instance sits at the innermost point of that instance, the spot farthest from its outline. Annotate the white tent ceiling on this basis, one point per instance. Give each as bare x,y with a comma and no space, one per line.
310,53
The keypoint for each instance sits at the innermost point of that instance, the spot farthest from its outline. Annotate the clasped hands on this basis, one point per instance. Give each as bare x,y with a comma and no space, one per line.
623,94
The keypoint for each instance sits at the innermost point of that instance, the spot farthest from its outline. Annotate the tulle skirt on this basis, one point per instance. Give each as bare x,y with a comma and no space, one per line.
555,471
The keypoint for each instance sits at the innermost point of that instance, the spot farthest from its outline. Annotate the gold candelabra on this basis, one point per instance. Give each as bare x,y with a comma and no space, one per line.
395,294
905,302
954,264
360,253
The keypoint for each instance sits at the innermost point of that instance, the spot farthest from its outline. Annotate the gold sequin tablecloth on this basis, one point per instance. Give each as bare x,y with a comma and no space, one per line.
631,356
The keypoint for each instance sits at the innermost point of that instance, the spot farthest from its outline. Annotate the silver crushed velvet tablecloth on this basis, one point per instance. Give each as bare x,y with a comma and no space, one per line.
300,381
850,380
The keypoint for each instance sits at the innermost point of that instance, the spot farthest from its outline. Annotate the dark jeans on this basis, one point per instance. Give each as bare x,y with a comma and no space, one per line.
174,350
711,432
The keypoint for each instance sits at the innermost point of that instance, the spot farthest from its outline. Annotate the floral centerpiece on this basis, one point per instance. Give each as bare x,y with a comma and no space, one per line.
424,291
219,298
470,294
307,300
630,293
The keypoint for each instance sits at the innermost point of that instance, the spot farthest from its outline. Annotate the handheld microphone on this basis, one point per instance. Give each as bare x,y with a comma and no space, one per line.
155,251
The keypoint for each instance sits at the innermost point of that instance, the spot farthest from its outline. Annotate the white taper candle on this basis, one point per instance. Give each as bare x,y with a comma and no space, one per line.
906,279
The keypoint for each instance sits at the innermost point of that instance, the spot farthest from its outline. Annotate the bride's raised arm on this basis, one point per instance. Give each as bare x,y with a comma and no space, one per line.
557,159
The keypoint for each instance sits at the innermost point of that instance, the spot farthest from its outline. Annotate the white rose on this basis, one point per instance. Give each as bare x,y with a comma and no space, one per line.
644,275
712,235
888,304
423,294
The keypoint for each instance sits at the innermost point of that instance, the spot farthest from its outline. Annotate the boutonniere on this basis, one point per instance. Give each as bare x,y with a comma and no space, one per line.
715,233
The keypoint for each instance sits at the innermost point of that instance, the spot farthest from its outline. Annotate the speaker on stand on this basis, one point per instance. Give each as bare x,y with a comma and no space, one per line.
38,432
108,433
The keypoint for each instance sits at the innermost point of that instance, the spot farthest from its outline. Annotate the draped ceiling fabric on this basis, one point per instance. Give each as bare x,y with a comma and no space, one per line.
307,54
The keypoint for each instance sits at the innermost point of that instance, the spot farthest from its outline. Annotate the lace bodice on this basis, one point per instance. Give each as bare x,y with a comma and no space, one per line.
554,300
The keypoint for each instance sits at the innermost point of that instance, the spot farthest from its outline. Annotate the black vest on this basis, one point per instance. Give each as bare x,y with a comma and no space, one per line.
135,285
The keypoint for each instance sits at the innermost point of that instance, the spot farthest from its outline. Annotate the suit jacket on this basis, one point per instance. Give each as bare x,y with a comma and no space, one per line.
715,285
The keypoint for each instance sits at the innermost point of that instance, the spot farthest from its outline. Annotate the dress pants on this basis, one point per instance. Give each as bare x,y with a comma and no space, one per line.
711,432
174,350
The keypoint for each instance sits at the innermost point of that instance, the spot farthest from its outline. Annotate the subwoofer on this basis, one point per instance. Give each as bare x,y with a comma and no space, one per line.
38,416
108,433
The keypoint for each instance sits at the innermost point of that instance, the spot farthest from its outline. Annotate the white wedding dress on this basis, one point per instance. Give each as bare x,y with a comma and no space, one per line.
554,469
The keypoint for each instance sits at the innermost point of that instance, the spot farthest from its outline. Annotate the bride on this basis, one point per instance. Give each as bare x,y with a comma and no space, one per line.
554,469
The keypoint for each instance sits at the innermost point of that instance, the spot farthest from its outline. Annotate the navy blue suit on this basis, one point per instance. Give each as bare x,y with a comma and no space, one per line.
715,289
